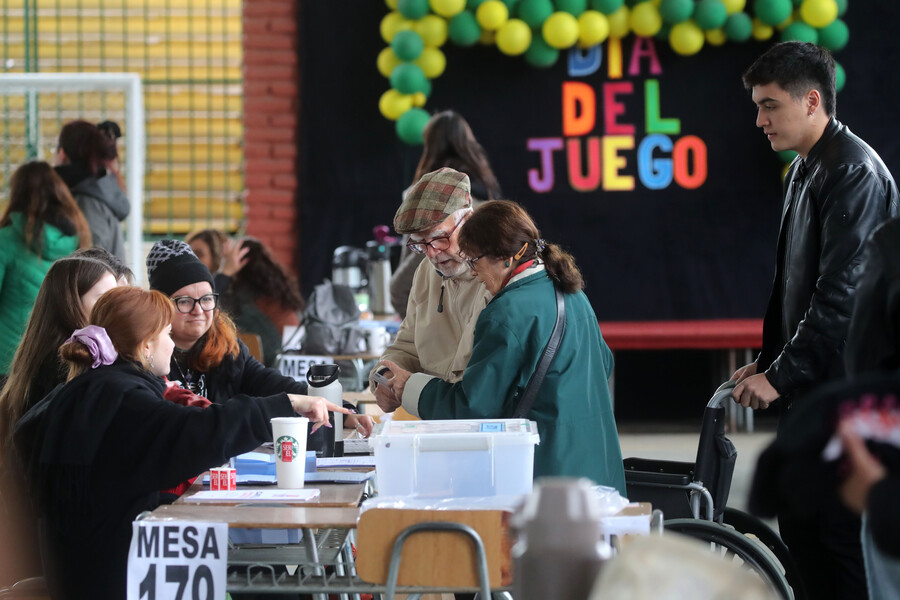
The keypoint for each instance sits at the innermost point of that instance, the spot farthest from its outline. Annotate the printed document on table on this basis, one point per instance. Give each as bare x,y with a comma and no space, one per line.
275,495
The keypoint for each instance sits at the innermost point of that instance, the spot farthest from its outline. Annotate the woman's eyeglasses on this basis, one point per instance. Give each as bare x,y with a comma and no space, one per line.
186,304
470,262
438,244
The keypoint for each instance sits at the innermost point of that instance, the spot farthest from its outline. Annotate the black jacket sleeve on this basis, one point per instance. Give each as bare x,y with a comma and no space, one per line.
852,203
159,444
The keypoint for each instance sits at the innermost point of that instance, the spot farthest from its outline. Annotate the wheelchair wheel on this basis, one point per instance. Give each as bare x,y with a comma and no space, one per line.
746,523
735,546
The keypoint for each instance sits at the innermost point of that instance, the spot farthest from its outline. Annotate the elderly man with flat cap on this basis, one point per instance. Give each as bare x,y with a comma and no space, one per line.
446,299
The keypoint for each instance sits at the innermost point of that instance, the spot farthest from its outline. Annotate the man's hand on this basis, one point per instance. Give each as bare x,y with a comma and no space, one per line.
755,391
744,372
865,470
385,398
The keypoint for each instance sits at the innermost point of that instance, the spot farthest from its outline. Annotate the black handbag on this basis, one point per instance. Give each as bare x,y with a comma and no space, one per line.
537,378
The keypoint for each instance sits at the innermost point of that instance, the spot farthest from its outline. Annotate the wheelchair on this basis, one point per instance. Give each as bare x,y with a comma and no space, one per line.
693,498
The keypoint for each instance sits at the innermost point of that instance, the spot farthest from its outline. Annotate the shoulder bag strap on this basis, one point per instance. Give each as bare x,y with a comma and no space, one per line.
534,384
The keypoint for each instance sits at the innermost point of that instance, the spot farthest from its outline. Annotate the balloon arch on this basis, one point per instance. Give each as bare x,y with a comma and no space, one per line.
539,29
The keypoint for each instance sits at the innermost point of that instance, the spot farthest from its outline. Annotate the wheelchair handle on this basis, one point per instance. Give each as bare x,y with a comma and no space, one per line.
722,394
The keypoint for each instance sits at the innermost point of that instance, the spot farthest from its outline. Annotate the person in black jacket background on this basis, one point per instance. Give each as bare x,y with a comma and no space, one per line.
836,192
96,451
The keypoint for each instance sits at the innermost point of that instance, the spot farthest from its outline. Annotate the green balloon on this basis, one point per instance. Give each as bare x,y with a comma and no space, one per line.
535,12
800,32
407,45
540,54
607,7
738,27
413,9
773,12
573,7
408,78
426,89
473,4
842,7
410,125
710,14
632,3
787,156
840,76
464,29
676,11
834,36
510,5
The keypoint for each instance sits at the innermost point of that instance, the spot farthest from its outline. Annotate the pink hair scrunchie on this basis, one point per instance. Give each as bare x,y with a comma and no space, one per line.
98,344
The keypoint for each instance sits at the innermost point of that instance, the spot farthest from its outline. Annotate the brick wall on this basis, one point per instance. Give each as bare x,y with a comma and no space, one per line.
271,106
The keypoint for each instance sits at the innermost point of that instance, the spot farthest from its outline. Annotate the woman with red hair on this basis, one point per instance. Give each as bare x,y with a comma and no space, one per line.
97,450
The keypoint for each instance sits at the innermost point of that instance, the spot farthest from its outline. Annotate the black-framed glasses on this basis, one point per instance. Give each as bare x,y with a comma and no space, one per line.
438,244
186,304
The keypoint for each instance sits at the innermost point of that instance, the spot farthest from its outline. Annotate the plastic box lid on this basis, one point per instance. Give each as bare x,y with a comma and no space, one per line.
464,431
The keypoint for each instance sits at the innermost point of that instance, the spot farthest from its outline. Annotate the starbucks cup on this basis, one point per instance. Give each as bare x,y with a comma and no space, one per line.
289,434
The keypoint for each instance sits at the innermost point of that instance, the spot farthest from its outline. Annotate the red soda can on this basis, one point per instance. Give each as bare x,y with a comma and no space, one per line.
228,479
215,479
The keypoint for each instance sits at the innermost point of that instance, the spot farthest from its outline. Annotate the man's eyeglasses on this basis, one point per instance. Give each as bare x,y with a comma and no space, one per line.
186,304
438,244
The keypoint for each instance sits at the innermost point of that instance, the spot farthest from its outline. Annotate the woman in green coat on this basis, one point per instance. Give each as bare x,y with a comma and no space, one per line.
41,223
572,408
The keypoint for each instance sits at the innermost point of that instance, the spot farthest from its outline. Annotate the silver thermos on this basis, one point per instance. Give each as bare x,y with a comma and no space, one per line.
379,278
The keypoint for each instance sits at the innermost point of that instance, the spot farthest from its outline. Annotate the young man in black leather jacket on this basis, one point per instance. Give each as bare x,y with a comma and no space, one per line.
836,192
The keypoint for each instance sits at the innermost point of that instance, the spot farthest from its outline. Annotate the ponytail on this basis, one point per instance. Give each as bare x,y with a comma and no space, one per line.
561,268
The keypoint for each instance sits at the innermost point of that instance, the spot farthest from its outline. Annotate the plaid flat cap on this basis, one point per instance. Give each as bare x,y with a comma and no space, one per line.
432,199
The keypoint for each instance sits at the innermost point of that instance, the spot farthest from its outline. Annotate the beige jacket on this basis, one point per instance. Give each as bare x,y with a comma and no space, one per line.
438,343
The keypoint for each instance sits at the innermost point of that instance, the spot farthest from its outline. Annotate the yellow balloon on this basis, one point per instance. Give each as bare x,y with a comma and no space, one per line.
447,8
491,15
619,25
734,6
392,23
819,13
393,104
761,31
386,61
716,37
514,37
391,4
593,28
686,38
419,99
560,30
432,29
645,19
432,62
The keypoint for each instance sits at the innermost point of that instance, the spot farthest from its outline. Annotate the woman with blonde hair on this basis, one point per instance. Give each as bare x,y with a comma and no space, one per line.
41,223
97,449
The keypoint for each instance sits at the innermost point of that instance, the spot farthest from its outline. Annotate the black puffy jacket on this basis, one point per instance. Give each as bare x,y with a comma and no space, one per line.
833,200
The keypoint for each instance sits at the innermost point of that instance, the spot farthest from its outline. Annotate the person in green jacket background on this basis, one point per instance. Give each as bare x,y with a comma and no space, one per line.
573,409
41,223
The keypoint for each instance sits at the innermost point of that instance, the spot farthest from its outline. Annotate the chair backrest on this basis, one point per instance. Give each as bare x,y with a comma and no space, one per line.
254,344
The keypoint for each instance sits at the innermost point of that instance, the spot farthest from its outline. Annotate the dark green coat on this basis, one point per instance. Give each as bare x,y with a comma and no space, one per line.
573,409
